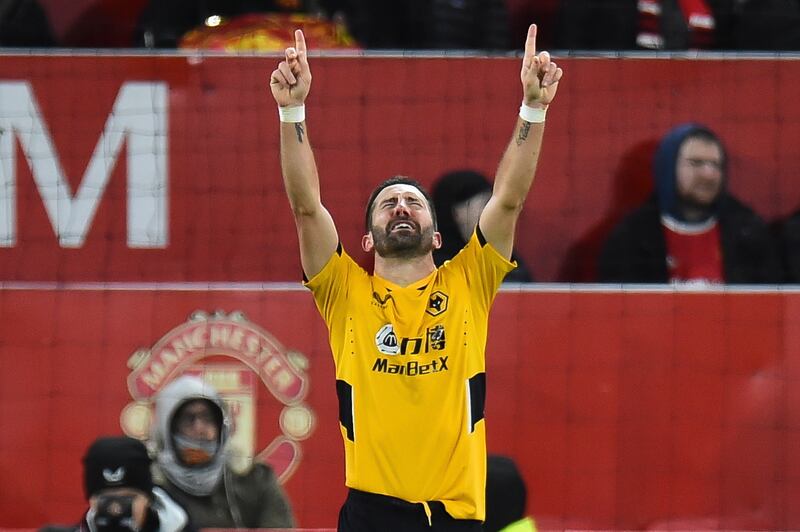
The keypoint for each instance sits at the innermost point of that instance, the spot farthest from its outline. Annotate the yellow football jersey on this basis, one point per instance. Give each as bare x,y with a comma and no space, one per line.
410,376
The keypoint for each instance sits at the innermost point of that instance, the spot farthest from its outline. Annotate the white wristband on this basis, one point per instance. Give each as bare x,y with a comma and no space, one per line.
293,114
532,114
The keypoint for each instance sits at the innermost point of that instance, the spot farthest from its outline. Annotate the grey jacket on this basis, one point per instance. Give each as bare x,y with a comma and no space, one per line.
256,496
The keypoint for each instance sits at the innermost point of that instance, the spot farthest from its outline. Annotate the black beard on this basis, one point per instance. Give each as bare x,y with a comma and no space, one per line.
402,245
695,211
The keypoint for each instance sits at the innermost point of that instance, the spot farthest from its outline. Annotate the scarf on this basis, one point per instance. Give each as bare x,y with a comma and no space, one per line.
203,476
696,15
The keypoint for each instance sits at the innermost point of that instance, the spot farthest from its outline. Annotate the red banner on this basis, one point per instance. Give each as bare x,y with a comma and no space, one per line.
166,168
624,410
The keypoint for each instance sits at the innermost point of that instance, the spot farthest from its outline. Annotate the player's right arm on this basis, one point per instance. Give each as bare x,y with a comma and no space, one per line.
290,83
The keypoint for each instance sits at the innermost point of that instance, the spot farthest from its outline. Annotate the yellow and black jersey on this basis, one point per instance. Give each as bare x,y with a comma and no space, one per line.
410,375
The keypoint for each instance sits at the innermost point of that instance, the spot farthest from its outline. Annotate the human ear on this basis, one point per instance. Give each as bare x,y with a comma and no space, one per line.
366,242
437,240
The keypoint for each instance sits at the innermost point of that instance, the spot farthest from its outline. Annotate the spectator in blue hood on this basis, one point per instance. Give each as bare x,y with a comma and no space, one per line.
692,229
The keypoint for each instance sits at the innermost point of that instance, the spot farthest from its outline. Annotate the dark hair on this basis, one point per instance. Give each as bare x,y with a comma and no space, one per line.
397,180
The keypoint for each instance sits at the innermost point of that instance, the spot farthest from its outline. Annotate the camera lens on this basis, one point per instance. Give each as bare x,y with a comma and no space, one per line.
114,513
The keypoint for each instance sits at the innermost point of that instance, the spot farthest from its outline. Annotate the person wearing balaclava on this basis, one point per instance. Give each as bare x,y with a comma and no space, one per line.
692,230
122,498
191,432
458,199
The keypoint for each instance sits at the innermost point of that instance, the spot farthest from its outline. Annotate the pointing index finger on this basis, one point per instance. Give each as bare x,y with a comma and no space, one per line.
530,42
299,41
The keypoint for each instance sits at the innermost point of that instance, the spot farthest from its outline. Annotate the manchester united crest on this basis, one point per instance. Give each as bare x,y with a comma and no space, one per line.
263,384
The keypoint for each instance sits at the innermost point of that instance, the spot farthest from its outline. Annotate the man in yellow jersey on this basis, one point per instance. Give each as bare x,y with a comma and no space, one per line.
408,341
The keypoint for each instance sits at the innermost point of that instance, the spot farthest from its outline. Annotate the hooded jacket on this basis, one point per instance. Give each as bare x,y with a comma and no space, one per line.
213,494
450,190
636,250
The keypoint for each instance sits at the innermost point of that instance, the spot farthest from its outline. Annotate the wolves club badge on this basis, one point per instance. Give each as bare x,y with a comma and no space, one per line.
263,384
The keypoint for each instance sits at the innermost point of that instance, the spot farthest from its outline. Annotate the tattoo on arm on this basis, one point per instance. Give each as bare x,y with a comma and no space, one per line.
298,129
524,129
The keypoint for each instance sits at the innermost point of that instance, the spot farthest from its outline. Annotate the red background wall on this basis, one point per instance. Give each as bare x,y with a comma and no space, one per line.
372,117
625,410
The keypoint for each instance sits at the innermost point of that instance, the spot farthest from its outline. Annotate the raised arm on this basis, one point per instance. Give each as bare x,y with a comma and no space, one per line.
540,77
290,83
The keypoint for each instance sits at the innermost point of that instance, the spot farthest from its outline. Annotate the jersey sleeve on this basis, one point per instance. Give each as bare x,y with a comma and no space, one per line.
330,285
483,267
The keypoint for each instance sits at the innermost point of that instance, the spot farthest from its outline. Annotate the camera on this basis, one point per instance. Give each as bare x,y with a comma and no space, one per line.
114,513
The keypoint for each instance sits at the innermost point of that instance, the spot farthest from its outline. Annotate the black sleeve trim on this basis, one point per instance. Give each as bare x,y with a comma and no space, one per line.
481,238
345,394
477,399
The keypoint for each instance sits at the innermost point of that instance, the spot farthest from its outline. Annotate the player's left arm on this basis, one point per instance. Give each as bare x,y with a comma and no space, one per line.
540,77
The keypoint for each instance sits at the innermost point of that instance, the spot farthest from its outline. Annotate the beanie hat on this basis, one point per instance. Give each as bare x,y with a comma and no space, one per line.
116,462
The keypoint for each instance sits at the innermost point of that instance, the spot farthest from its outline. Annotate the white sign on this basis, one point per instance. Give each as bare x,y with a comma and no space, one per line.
139,116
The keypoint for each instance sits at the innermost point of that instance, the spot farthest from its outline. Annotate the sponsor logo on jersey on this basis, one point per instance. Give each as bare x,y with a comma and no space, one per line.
388,343
412,368
386,340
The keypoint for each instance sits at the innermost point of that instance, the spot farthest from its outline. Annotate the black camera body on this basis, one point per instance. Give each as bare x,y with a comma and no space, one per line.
114,513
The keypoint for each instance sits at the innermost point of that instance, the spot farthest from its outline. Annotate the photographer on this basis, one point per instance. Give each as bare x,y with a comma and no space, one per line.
121,494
